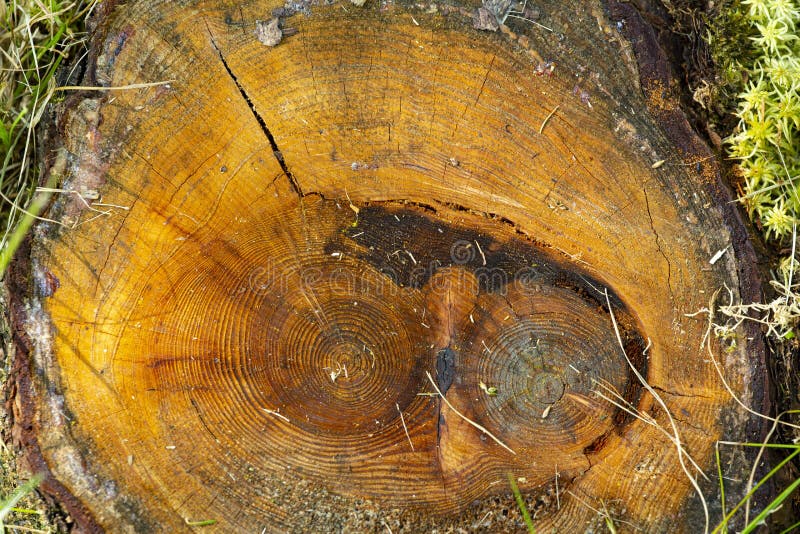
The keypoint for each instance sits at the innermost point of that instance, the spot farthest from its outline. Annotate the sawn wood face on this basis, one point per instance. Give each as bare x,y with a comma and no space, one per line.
296,237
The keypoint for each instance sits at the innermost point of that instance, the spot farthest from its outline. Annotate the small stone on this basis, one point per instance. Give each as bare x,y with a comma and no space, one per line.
359,3
268,33
483,19
499,8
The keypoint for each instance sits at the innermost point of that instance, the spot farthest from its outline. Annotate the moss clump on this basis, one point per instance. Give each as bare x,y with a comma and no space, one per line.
767,141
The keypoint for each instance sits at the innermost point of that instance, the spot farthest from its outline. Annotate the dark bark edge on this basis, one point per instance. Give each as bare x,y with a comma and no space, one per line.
656,75
20,390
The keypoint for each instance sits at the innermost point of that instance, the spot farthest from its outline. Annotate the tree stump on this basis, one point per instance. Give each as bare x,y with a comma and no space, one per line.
351,267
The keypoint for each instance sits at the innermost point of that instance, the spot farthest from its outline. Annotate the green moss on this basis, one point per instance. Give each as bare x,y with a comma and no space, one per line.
728,43
767,140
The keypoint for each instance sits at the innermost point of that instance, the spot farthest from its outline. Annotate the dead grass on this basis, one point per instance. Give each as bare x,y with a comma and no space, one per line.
36,38
779,318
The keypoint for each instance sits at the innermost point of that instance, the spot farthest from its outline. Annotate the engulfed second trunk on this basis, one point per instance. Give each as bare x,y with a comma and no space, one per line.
341,267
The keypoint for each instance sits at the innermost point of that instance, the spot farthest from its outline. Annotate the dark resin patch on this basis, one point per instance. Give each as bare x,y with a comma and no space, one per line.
408,244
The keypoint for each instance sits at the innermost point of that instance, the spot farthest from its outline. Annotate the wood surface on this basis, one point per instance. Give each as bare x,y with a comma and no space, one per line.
300,244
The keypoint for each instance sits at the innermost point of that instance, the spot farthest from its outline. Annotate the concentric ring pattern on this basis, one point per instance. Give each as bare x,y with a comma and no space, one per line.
368,265
313,352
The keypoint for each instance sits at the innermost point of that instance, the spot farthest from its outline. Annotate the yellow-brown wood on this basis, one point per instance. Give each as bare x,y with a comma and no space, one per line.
298,235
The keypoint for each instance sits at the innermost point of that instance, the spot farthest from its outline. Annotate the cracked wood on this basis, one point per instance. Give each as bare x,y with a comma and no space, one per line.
314,227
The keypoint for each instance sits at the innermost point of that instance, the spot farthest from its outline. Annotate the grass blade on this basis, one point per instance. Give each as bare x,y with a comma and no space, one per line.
521,503
20,492
771,507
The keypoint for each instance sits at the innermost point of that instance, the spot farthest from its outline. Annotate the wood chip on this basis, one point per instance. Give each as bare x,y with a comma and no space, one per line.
269,33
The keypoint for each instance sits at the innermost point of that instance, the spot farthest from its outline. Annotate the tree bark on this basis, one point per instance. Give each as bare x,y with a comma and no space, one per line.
356,279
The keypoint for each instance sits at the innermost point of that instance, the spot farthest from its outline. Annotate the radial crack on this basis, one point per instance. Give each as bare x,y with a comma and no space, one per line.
658,242
202,420
677,394
267,133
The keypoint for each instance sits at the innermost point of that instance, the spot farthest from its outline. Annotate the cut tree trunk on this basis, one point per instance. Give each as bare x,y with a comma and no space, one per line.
358,278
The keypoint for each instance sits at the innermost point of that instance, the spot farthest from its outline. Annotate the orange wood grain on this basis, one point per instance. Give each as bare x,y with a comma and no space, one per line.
309,228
